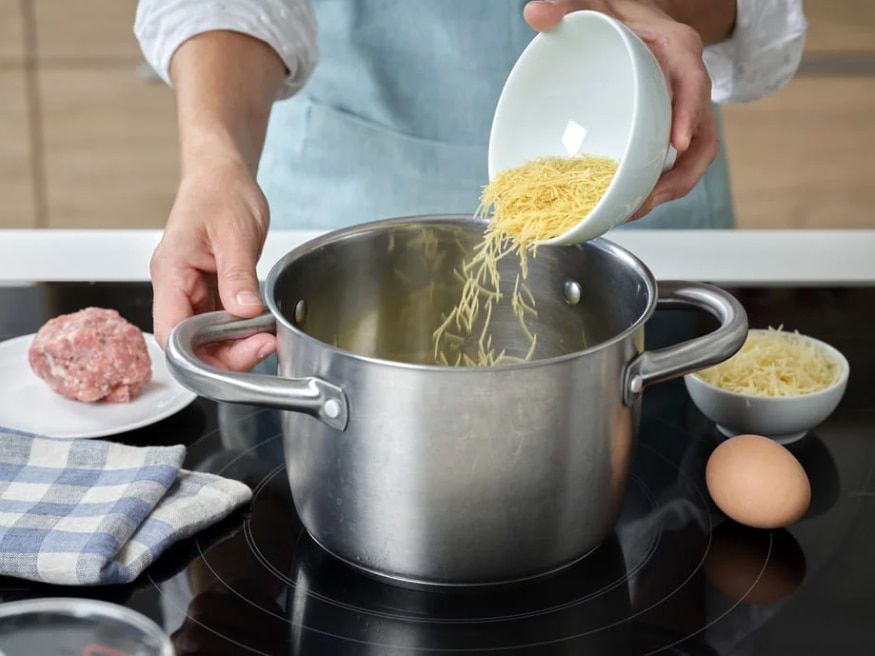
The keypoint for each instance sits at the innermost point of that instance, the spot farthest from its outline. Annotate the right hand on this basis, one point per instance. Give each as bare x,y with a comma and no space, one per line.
206,259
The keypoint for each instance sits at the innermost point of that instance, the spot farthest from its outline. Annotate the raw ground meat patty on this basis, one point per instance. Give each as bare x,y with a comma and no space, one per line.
92,355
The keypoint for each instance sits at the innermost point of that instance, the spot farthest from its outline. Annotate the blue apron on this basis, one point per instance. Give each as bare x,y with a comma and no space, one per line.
395,119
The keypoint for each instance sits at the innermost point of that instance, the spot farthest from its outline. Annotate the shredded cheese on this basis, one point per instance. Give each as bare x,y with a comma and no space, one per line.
534,202
774,363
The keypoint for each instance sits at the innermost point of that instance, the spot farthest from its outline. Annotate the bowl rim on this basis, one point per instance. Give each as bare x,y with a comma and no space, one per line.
829,349
85,609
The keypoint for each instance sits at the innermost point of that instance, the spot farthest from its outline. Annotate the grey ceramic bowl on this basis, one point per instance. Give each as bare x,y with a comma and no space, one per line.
784,419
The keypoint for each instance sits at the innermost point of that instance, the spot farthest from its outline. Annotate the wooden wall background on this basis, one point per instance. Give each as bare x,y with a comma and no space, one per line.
88,141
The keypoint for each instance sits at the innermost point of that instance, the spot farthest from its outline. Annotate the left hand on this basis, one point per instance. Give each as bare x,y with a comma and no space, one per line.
678,49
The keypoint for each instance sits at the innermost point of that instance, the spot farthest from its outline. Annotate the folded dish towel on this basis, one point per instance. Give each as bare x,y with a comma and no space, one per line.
92,512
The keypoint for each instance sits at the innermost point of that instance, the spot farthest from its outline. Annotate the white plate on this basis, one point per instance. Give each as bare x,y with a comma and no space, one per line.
28,404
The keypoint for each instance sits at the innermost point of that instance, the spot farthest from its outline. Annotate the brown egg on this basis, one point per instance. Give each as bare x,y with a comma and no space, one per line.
757,482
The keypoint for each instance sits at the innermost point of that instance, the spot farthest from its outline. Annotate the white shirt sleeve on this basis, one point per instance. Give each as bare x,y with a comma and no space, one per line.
763,53
288,26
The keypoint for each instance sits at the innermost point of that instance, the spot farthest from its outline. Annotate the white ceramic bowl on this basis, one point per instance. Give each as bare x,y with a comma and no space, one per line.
588,85
785,419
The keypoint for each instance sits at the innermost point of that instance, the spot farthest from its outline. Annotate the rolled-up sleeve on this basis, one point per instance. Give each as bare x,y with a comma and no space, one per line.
763,53
288,26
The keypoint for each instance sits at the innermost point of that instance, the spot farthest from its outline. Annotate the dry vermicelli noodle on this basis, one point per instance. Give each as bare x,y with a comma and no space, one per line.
534,202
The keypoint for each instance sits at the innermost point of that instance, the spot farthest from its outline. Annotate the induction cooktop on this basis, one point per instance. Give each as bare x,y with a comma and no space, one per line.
674,577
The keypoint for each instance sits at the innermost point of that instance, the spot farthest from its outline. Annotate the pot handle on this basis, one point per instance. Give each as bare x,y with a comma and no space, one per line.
312,396
652,367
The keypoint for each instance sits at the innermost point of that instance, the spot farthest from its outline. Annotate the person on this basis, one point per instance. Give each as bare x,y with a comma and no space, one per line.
384,109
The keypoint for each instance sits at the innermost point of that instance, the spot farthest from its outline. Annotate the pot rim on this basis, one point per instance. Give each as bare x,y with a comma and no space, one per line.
453,219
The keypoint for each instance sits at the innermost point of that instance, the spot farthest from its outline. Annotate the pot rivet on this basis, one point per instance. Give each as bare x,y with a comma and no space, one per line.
331,409
300,311
571,292
636,384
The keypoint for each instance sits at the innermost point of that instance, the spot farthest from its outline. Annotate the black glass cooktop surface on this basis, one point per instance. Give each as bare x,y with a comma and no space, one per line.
674,577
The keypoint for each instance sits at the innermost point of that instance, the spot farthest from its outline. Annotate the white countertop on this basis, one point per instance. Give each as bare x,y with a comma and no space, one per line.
734,257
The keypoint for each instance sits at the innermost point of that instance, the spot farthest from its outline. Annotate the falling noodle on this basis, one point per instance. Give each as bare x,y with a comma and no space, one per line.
537,201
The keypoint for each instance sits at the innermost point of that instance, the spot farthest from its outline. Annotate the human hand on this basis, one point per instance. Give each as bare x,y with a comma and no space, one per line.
206,259
678,49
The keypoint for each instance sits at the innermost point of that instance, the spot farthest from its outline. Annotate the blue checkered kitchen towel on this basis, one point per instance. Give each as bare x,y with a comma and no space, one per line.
91,512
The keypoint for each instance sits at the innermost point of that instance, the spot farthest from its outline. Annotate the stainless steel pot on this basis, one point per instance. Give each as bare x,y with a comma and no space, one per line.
419,472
